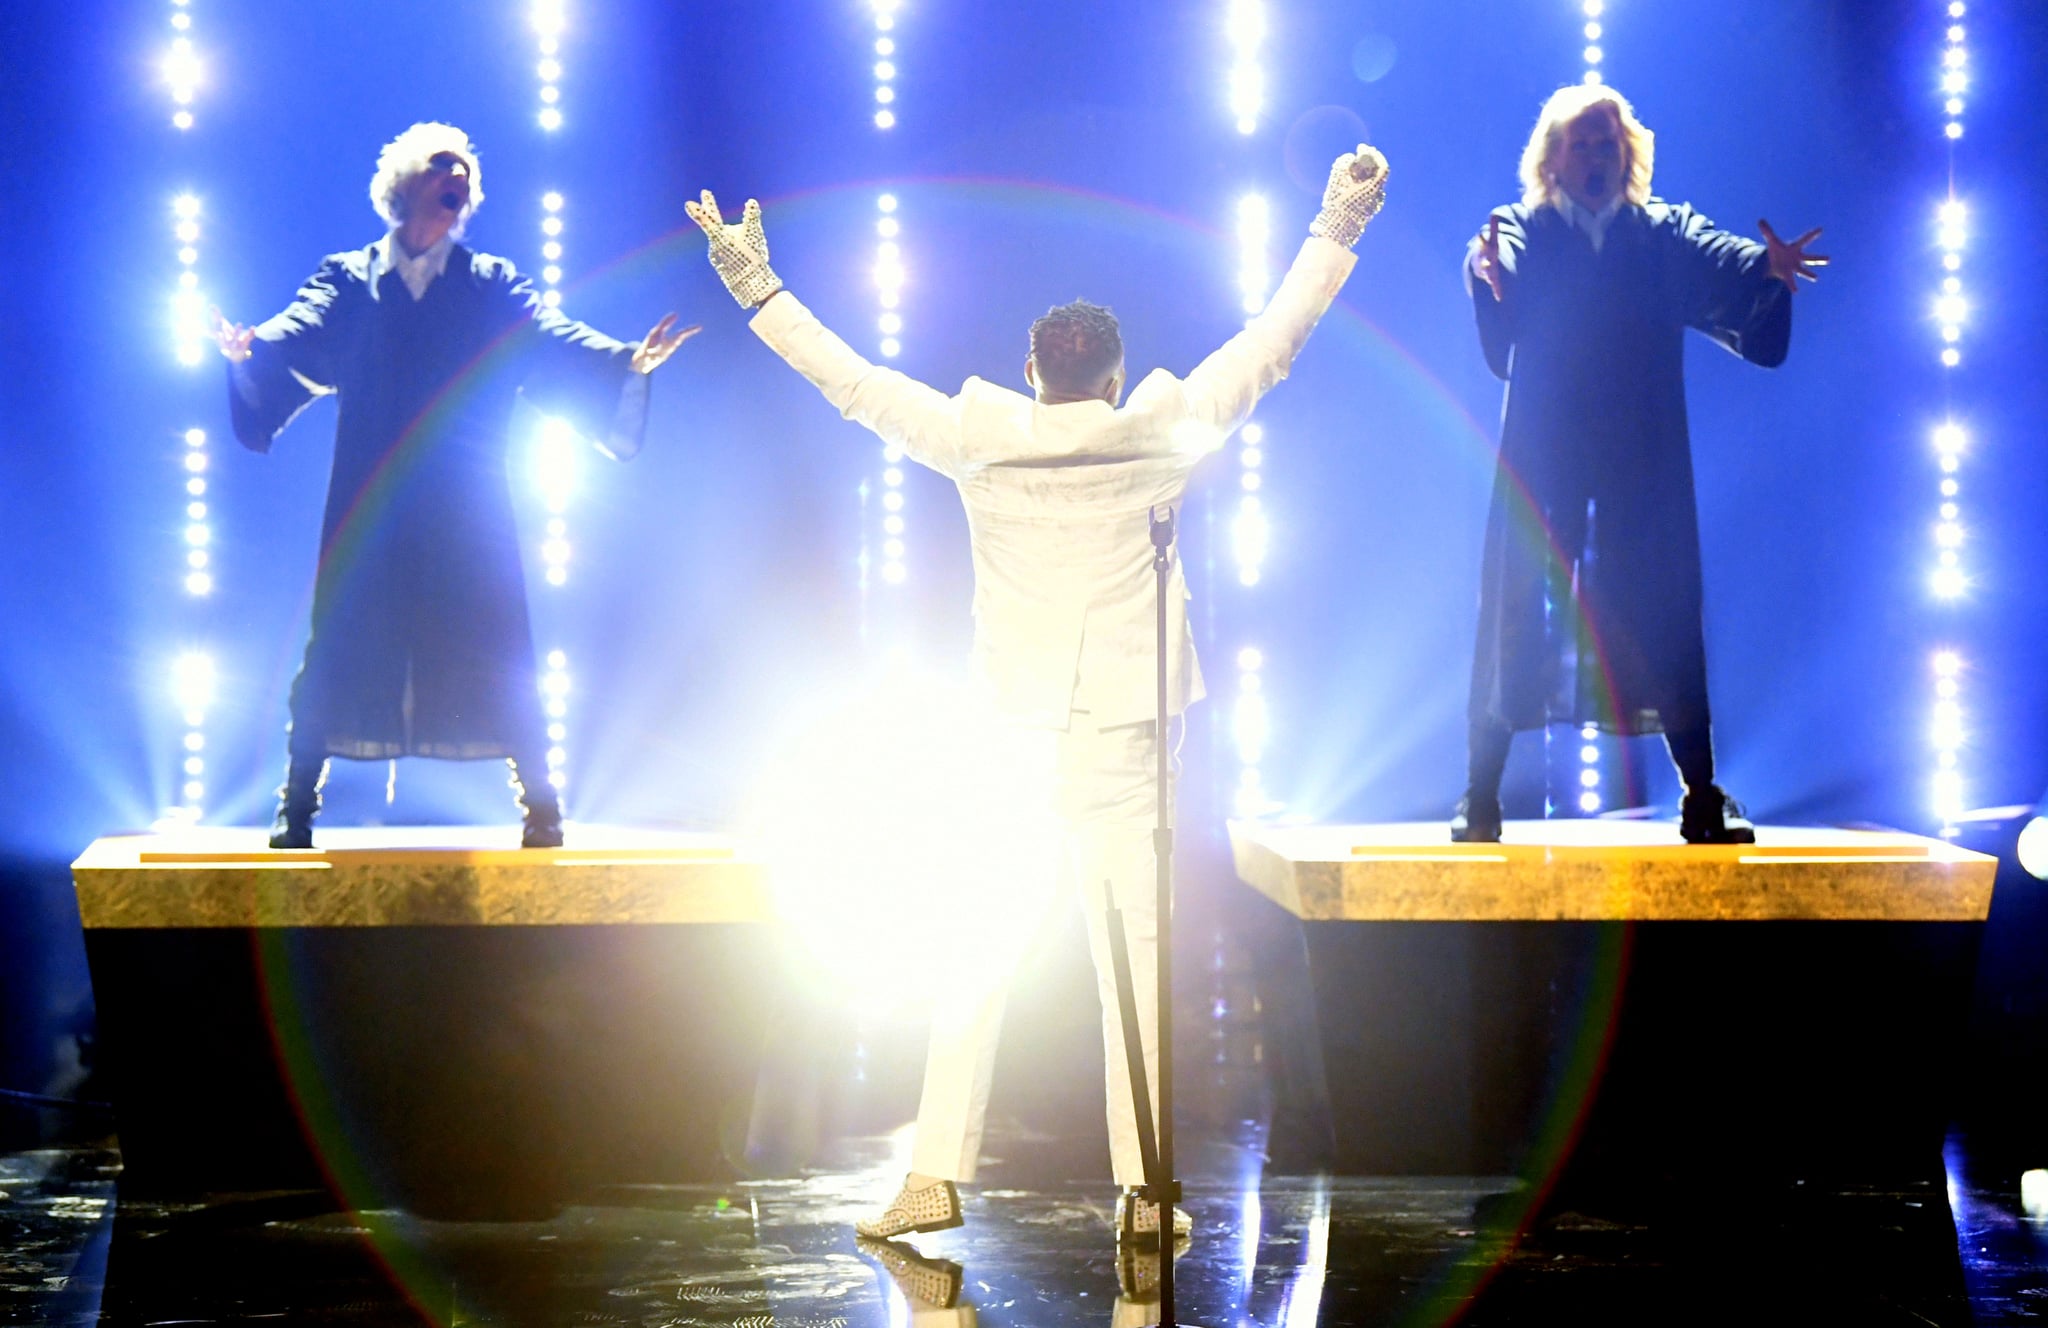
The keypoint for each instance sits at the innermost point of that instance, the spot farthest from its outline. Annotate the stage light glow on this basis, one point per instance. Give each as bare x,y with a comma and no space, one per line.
1589,801
181,69
885,119
198,583
193,681
907,826
2032,851
197,558
1948,580
195,461
1245,26
550,118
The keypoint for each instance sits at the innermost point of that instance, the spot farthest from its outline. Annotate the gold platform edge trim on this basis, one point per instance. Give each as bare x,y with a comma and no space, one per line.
1369,874
228,879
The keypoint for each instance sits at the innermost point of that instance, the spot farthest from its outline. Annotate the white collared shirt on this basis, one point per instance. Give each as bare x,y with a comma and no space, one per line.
1594,224
417,271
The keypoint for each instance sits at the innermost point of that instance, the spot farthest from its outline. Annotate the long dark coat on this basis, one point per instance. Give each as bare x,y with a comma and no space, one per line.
1593,511
421,644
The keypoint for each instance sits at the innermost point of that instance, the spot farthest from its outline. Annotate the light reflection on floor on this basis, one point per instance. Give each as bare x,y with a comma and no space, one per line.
1285,1251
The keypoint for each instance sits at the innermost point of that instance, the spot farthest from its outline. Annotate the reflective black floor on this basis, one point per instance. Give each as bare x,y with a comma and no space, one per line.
1269,1250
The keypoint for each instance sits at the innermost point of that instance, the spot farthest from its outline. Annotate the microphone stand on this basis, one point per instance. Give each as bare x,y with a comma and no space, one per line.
1155,1147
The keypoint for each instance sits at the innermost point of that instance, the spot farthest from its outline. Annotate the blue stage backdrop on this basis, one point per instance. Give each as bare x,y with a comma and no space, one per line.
1041,153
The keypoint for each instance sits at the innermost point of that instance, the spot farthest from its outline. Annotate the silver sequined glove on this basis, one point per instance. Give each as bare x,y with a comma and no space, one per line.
1358,185
739,253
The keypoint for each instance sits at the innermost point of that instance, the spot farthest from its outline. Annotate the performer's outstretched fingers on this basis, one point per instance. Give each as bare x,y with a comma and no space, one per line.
1806,239
1768,233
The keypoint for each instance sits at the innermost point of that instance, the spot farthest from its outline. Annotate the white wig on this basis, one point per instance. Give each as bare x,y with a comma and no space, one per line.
404,158
1546,142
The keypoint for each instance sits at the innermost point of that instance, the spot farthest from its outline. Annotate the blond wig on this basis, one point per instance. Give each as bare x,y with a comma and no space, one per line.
1638,144
407,157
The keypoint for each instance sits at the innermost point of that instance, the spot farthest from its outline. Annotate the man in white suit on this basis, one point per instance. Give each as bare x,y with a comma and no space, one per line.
1059,488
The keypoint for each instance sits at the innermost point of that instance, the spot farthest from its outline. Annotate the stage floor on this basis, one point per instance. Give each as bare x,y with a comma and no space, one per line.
1609,870
1035,1253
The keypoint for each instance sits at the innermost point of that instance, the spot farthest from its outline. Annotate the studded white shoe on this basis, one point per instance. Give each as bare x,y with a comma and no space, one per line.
933,1208
1138,1220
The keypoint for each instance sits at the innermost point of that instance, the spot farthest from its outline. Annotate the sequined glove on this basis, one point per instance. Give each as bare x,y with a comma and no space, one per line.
739,254
1357,188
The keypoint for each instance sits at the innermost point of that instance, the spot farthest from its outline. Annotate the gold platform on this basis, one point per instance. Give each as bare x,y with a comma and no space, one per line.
1601,870
417,876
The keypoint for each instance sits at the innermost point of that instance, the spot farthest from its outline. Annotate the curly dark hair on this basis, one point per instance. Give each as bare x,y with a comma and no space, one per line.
1076,346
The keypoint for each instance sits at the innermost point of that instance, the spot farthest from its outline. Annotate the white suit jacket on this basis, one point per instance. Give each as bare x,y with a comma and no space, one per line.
1058,496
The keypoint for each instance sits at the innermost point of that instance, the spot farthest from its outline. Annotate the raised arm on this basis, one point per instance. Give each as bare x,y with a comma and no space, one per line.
572,369
276,368
1733,289
921,420
1224,387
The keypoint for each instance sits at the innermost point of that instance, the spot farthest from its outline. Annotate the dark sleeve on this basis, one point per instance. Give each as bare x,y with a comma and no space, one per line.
290,361
1726,290
573,370
1496,317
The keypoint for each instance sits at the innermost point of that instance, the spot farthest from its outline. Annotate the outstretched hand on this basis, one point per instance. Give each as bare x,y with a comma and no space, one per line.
1790,262
661,342
1486,263
739,253
232,338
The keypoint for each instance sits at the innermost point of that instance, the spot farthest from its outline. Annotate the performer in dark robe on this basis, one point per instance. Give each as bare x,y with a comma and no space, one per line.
1589,601
420,642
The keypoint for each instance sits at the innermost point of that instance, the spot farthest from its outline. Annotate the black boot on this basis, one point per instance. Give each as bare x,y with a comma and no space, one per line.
1710,816
542,824
298,802
1477,820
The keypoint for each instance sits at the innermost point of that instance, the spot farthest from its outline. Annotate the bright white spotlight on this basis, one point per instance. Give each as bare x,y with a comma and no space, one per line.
908,827
2033,855
193,680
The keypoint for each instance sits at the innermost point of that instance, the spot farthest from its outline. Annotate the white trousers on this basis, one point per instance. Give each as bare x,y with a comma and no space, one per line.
1108,800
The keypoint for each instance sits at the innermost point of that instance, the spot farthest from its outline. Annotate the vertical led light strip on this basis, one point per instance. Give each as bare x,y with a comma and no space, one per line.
557,454
181,65
1251,721
889,280
1246,26
1590,801
549,18
1949,581
1593,53
192,672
